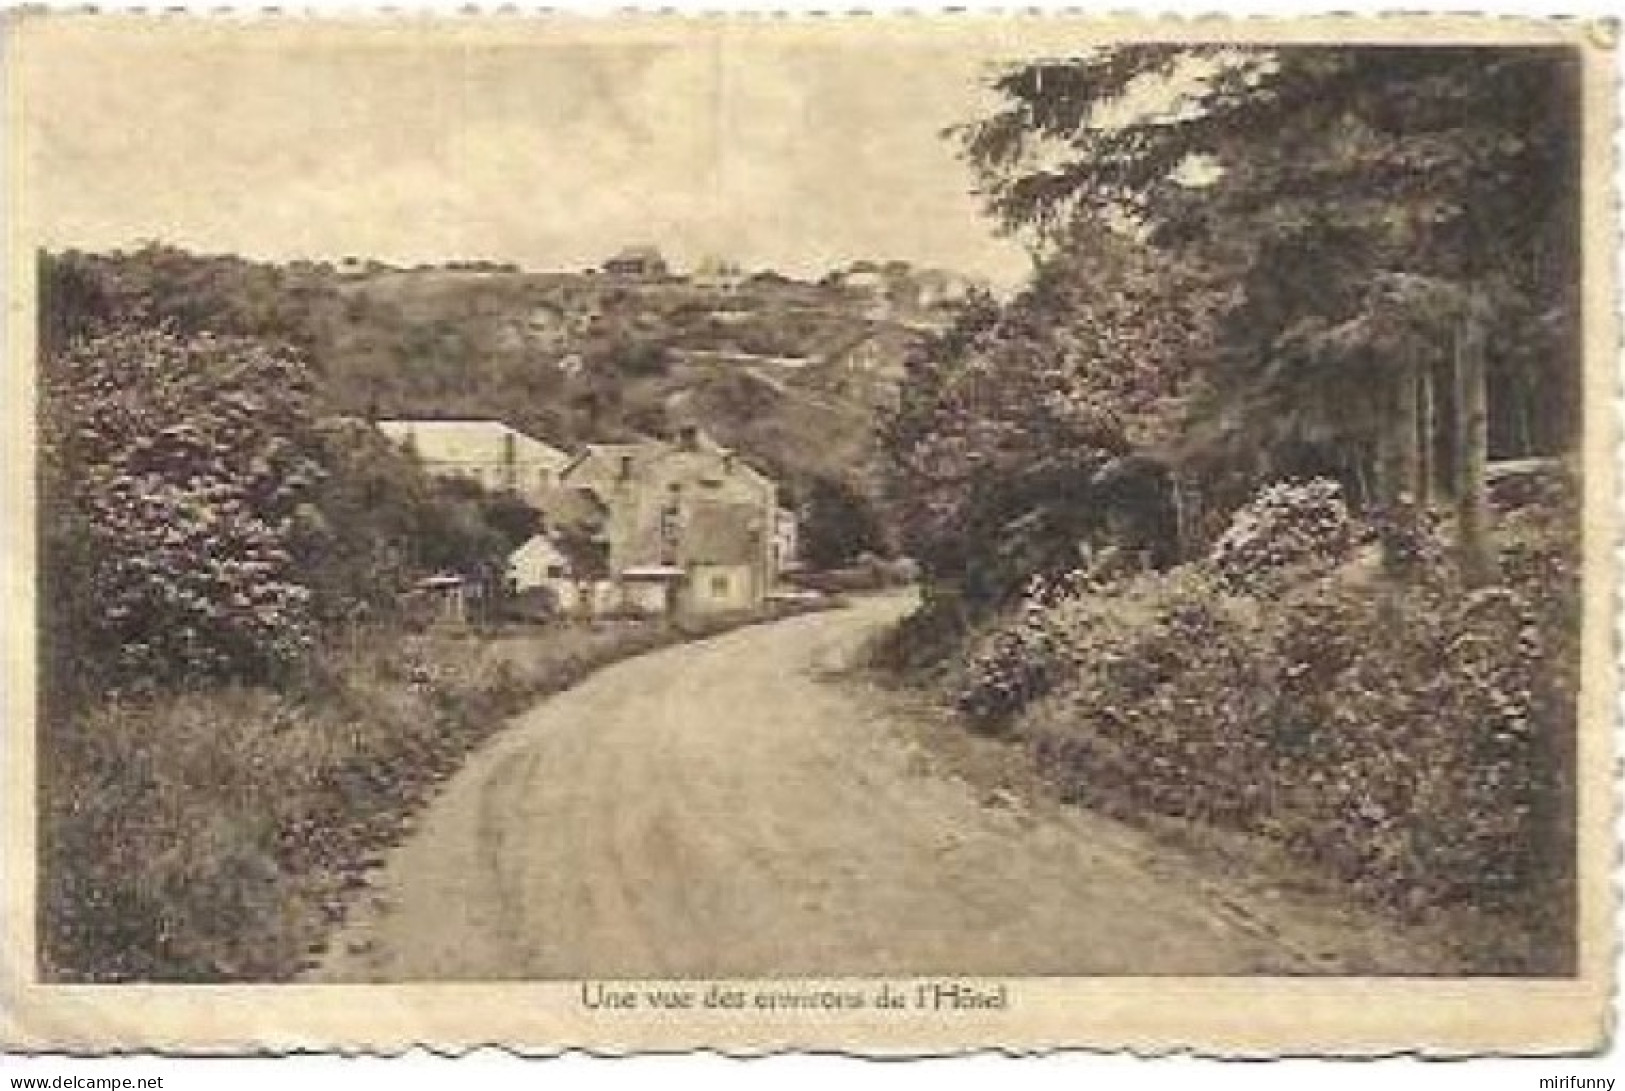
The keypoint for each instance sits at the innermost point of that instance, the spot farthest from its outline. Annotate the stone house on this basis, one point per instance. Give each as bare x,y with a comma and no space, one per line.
547,572
686,526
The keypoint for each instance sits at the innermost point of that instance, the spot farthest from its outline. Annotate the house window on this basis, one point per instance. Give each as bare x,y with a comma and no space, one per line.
719,585
555,571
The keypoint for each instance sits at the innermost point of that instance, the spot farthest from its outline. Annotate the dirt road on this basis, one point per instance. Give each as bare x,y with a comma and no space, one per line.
725,809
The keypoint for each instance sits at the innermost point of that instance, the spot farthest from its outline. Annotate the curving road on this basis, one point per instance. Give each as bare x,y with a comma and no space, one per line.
724,809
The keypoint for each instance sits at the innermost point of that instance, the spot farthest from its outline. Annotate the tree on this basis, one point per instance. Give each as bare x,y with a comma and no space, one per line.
838,524
377,522
1309,172
513,518
1005,419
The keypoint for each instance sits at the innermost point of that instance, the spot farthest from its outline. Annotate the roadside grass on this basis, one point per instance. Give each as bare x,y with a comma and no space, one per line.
1247,873
1332,735
214,835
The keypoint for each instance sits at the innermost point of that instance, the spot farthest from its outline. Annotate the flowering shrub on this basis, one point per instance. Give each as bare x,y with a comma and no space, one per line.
183,464
1155,716
1059,630
1402,741
1287,525
1011,667
1540,556
1415,544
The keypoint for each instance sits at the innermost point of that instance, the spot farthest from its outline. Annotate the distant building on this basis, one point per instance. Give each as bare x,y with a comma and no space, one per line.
638,263
441,598
718,275
937,288
486,451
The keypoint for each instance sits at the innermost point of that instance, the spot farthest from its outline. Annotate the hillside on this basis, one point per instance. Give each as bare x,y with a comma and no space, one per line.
790,372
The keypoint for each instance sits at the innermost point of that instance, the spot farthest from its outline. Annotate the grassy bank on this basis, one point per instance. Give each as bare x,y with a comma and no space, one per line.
1409,742
213,835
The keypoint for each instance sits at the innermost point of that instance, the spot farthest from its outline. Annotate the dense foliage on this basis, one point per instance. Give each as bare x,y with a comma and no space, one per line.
837,524
1007,417
1286,526
201,523
1411,741
1312,174
179,472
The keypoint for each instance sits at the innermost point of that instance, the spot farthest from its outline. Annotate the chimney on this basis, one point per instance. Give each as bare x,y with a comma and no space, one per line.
688,437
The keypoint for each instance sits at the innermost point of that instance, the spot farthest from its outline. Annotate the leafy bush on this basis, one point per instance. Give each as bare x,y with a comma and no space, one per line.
200,524
1287,525
838,522
1397,739
1010,667
1415,544
868,573
185,465
926,641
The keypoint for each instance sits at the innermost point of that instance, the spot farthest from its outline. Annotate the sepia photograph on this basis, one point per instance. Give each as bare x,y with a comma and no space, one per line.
814,533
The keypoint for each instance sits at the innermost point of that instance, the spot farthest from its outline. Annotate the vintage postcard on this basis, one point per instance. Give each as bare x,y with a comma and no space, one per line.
896,534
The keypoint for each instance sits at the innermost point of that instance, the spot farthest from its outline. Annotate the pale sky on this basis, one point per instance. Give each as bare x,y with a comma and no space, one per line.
553,152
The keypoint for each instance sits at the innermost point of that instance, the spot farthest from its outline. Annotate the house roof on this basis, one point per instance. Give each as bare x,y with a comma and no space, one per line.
571,507
642,255
470,442
539,545
606,458
658,462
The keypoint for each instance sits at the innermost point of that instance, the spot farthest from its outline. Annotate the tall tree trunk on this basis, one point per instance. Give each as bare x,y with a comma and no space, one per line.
1407,428
1182,529
1471,441
1400,462
1427,438
1390,445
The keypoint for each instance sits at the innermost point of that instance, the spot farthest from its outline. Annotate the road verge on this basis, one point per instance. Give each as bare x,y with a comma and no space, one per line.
221,834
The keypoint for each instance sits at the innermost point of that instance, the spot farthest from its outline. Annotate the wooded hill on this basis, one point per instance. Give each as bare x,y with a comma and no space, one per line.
568,357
